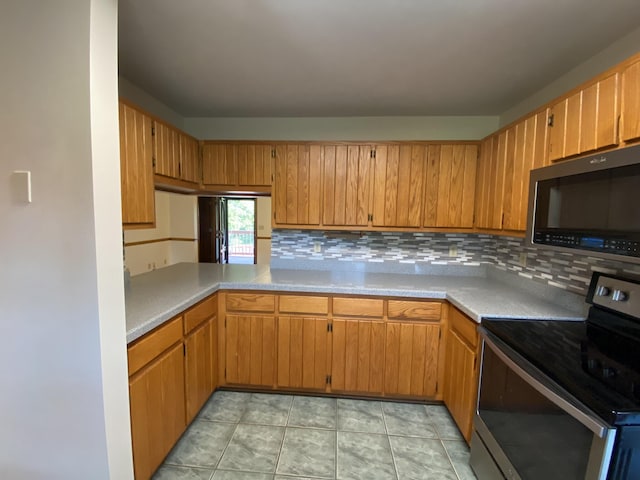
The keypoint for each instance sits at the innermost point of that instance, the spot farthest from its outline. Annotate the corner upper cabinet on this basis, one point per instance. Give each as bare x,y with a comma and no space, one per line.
525,150
296,188
397,185
176,155
631,102
136,168
586,120
346,189
450,178
490,182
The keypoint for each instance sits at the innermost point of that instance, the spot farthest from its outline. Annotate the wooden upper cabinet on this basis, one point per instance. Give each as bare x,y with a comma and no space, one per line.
490,182
526,150
136,168
175,154
631,102
189,159
219,164
255,164
166,150
585,120
346,179
297,186
450,182
397,184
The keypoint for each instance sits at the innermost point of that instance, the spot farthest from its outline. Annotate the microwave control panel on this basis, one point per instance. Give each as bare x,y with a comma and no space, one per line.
630,248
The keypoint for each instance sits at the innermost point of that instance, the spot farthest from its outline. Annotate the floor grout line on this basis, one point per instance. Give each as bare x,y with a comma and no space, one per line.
434,421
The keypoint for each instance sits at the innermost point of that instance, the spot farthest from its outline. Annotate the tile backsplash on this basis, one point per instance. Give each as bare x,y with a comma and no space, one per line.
391,250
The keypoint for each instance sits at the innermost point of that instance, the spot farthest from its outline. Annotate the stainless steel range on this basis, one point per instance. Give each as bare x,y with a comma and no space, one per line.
561,400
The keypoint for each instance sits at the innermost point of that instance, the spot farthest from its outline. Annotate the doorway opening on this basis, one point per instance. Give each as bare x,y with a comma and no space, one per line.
227,230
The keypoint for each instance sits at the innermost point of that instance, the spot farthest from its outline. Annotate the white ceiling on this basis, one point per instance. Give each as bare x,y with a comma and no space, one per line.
220,58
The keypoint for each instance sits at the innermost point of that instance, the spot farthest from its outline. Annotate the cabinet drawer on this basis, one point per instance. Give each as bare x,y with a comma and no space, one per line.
246,302
405,309
303,304
200,312
465,327
358,307
153,344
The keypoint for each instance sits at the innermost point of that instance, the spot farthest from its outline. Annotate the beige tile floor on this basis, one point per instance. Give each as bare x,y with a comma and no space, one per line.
249,436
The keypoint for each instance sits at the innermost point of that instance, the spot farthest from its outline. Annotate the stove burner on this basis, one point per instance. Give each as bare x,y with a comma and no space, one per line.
618,376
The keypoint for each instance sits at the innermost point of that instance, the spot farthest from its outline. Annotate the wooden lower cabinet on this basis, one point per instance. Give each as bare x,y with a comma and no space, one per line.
250,349
357,364
157,402
411,363
199,368
303,346
461,371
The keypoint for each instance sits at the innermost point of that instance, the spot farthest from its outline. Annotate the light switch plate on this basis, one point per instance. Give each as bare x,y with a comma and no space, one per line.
22,186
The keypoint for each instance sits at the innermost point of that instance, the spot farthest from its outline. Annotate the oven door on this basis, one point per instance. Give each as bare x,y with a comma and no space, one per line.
529,428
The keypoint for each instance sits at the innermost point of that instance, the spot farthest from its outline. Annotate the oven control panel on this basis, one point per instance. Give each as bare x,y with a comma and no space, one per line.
616,294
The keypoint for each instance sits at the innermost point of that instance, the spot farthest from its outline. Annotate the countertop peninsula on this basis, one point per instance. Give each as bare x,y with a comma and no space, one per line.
154,297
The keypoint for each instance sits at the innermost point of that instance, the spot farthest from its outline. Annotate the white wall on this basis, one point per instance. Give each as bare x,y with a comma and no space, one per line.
64,403
609,57
139,97
342,128
176,217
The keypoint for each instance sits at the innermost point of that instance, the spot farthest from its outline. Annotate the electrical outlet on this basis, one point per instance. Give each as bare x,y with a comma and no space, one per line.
453,250
523,259
317,247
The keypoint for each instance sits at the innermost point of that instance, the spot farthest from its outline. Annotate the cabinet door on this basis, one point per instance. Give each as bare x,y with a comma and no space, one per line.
189,159
529,151
398,183
357,356
250,344
460,385
157,401
219,164
346,174
254,165
491,190
631,102
599,115
450,177
166,150
483,180
136,167
513,176
302,352
296,186
198,368
411,360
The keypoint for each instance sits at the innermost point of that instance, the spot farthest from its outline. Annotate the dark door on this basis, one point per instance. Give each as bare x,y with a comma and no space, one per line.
213,231
222,231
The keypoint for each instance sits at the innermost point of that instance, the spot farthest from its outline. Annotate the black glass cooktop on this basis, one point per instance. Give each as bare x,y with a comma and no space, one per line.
580,363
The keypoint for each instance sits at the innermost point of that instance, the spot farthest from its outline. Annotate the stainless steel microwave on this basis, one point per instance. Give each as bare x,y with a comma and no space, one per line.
591,205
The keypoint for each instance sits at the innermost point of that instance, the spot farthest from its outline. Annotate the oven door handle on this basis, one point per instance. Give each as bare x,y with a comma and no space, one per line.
541,383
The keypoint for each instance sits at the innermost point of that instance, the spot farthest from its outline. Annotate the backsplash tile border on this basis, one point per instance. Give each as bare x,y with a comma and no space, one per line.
424,253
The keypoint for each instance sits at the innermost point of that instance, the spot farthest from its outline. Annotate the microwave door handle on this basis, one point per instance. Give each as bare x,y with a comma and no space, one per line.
587,418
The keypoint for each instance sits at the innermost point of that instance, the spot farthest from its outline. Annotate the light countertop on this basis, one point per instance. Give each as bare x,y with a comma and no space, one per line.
154,297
